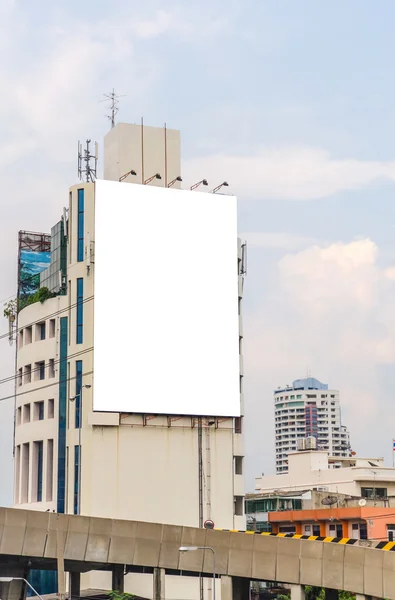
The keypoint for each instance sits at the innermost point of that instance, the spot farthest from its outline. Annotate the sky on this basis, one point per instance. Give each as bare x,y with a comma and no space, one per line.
293,103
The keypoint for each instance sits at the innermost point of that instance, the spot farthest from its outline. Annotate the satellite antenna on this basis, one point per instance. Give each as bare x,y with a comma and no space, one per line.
113,100
329,500
87,171
362,502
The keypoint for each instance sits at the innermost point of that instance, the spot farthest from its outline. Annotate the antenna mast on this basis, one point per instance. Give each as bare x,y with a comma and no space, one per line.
87,170
113,100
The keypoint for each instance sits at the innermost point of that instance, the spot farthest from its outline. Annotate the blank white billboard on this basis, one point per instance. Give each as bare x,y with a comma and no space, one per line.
166,301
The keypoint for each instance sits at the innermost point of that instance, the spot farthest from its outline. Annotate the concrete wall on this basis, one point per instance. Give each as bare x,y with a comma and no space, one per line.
125,146
89,542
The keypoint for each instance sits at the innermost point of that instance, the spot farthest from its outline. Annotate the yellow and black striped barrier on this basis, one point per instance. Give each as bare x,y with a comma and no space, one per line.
334,540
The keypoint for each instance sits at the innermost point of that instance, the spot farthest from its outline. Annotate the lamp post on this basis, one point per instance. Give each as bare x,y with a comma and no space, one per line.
156,176
9,579
201,182
193,549
79,396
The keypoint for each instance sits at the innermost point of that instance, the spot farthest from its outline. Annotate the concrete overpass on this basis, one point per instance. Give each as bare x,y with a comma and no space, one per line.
76,544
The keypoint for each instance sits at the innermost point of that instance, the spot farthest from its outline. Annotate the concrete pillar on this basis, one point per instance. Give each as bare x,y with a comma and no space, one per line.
331,594
159,584
297,592
75,585
235,588
118,578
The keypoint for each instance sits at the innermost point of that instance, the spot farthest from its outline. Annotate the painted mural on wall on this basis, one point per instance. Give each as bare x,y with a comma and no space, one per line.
31,265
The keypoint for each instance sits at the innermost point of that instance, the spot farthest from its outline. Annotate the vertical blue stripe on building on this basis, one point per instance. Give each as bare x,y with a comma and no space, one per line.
80,226
78,390
62,415
80,310
39,471
76,478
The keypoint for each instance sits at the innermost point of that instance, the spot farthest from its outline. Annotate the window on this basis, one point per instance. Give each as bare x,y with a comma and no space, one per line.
238,501
238,465
38,447
52,323
49,470
316,530
51,368
38,411
51,409
28,335
287,529
78,390
19,415
336,530
25,473
80,226
20,339
20,376
373,492
363,531
26,413
39,369
307,529
76,478
28,373
237,424
80,309
40,331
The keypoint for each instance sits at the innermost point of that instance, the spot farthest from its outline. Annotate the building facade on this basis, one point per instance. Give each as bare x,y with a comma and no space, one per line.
158,468
304,410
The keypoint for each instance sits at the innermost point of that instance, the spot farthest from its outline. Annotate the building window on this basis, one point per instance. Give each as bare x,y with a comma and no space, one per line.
237,424
80,226
28,335
238,500
38,411
51,409
391,533
373,492
316,530
26,413
39,470
19,415
51,367
238,465
52,323
78,389
40,331
80,309
28,373
287,529
76,478
39,371
20,376
49,470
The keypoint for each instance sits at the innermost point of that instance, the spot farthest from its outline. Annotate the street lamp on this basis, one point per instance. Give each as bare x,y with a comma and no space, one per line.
201,182
79,396
9,579
216,189
174,181
132,172
193,549
156,176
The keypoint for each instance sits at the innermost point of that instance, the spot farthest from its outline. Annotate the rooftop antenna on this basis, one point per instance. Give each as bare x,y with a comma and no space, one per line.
113,100
86,171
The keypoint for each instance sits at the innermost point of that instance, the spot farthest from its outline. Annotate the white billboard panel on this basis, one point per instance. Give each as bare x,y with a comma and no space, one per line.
166,301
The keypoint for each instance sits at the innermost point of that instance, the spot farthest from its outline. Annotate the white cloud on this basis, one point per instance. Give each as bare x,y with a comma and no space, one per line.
329,309
290,173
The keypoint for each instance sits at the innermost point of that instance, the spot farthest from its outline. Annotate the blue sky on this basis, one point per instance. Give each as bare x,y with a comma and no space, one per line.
293,103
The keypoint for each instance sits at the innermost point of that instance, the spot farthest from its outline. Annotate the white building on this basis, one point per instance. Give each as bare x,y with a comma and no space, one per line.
161,468
316,470
308,409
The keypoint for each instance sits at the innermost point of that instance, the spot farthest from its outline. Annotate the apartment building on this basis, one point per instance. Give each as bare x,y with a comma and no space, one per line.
306,409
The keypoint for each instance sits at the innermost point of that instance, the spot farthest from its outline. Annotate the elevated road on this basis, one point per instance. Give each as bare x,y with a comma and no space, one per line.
41,540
